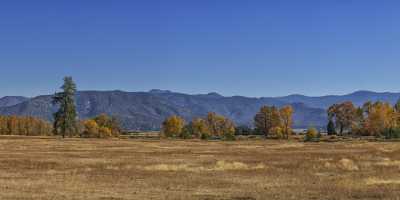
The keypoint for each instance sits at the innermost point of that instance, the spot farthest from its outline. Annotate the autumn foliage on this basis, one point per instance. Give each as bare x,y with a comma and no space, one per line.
173,126
102,126
274,121
373,118
29,126
213,125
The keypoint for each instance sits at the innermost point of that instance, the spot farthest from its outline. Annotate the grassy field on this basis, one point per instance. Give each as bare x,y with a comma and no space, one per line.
49,168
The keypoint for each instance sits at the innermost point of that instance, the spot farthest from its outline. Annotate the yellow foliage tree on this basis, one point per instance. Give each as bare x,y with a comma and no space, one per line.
105,132
278,132
381,116
286,114
29,126
173,126
278,122
199,128
91,128
220,126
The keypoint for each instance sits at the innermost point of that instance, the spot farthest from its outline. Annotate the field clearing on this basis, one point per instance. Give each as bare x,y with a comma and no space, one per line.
50,168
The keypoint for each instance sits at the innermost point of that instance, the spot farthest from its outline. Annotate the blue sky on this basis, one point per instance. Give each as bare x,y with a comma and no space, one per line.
251,48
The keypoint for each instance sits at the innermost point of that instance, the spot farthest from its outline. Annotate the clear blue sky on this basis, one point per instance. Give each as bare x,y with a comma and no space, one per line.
252,48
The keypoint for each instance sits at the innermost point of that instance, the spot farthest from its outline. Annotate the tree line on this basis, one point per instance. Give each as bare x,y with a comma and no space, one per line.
269,121
30,126
372,119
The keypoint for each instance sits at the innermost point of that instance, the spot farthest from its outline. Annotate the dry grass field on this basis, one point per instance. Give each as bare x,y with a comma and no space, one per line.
49,168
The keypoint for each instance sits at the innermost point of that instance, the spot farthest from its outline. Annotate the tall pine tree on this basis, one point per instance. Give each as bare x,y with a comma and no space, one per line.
65,119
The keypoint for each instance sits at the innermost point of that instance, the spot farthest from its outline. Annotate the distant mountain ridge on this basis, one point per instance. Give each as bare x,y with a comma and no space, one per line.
12,100
358,98
147,110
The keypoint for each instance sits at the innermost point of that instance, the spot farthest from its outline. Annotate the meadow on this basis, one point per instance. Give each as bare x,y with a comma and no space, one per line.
117,169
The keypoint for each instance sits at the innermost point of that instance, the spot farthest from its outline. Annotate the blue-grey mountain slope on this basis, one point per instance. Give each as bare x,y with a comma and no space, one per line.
147,110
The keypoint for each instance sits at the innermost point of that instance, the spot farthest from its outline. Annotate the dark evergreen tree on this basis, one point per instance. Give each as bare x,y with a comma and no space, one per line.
331,128
65,119
397,106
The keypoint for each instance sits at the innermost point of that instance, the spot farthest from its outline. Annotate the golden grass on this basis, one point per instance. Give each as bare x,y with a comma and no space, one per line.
347,164
88,169
376,181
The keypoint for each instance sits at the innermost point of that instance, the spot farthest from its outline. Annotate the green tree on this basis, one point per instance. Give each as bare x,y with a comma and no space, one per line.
65,119
397,106
331,128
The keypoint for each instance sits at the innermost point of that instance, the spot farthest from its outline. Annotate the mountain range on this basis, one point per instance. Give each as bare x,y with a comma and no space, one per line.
147,110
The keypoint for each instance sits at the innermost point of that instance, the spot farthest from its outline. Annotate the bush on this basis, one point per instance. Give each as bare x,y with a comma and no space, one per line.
391,133
243,130
312,135
205,136
277,132
187,132
105,132
229,136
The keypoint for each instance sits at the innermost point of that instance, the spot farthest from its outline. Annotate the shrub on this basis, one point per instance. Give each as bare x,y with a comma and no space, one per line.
311,135
243,130
205,136
277,132
391,133
187,132
104,132
229,136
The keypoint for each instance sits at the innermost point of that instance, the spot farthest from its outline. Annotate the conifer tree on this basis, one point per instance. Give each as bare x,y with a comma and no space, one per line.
65,119
331,128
